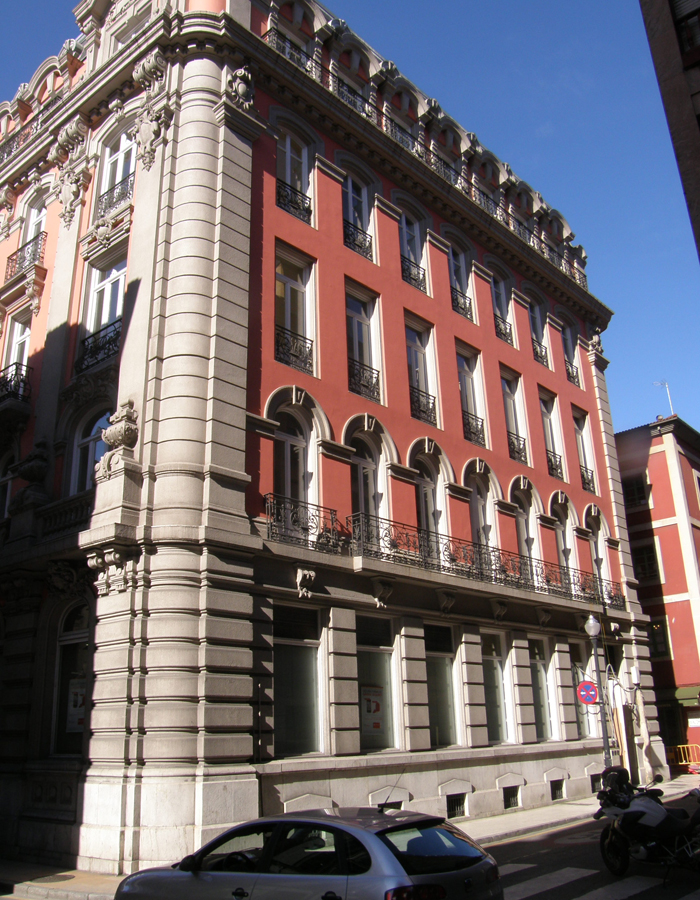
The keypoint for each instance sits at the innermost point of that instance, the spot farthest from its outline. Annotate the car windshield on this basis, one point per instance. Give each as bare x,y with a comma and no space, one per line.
431,849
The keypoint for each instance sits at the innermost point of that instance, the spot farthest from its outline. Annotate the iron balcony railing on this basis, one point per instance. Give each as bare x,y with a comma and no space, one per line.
462,304
554,465
413,274
473,428
572,373
291,521
29,254
101,345
588,480
18,139
422,405
14,382
504,330
121,192
383,539
69,514
294,350
354,99
539,351
363,380
517,447
293,201
357,239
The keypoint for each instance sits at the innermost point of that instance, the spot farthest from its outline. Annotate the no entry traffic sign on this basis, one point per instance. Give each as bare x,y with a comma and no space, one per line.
587,692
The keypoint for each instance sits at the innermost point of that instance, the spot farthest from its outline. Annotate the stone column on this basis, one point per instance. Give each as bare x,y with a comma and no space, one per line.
472,673
414,677
522,689
342,686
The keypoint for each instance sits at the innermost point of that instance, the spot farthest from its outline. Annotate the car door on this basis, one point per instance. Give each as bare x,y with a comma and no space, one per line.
228,867
306,862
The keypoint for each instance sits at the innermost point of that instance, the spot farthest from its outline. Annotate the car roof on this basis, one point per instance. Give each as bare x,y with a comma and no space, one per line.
368,818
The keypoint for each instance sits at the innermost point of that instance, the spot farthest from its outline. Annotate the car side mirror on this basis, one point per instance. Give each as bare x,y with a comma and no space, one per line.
188,864
658,778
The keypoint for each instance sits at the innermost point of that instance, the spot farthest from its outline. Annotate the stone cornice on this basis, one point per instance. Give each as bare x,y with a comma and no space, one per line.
485,273
328,168
382,205
439,242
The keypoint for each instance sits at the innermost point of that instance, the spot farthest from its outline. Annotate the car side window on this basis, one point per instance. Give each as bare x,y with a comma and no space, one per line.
357,856
306,850
241,851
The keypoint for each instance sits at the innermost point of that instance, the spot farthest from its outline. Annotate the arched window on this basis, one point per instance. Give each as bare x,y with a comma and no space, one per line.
459,268
410,238
36,219
89,450
564,533
71,677
525,524
364,481
291,477
569,335
499,294
427,506
293,170
479,510
598,554
355,205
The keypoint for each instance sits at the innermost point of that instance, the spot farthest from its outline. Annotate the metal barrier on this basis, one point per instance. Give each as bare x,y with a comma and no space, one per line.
683,754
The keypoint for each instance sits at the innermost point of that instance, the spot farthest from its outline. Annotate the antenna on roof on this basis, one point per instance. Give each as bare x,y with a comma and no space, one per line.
665,384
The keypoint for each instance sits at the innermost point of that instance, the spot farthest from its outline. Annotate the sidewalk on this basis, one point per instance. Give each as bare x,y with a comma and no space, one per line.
31,881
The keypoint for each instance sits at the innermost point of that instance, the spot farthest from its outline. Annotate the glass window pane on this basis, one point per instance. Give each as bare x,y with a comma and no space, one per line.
374,675
295,623
70,718
296,700
241,852
373,632
495,702
306,850
438,639
440,701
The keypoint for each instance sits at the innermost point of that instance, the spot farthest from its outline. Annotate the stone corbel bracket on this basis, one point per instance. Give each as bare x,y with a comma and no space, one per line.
304,580
112,565
446,599
150,130
70,189
382,590
70,139
121,437
28,283
150,72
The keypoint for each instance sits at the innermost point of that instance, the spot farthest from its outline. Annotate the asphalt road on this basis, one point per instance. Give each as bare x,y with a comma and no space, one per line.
565,864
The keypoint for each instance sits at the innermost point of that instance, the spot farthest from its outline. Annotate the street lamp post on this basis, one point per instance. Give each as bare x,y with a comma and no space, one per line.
592,627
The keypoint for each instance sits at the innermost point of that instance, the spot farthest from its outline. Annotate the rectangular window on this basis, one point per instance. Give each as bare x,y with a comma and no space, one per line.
440,663
374,658
296,682
634,491
539,670
511,797
420,375
659,642
644,562
106,297
552,442
293,343
585,450
19,332
517,445
471,396
363,375
495,692
579,674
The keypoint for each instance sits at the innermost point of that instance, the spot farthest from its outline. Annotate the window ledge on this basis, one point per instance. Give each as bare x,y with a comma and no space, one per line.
107,236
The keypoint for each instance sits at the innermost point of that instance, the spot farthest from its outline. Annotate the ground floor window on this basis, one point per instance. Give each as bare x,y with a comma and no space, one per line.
540,690
71,682
374,672
296,681
493,662
440,663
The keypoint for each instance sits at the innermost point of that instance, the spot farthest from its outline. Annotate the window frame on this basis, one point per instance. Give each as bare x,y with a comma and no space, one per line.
79,442
105,283
507,688
114,161
653,644
395,685
552,724
289,135
79,636
452,656
20,317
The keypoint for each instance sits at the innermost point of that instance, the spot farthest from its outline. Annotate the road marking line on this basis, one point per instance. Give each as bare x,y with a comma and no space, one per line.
512,868
621,890
535,886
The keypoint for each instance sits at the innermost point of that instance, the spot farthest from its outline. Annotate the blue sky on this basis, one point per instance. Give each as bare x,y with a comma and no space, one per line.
566,94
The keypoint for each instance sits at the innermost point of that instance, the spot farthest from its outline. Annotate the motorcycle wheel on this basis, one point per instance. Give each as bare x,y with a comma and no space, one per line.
615,851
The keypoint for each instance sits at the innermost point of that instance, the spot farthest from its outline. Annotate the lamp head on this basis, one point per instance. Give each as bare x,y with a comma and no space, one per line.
592,626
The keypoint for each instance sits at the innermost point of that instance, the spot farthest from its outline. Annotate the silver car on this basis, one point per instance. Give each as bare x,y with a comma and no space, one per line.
328,854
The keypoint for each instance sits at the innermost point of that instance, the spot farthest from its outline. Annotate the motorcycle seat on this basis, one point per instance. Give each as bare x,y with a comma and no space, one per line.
678,813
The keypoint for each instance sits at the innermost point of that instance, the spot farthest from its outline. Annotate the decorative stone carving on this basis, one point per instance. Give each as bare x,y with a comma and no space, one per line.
91,386
596,343
446,600
543,615
122,434
69,139
499,609
109,564
67,582
305,579
382,591
72,185
150,72
241,88
7,198
151,125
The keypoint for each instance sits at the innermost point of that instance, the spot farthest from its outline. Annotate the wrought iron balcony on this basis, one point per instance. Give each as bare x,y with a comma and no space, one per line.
293,201
462,304
357,239
504,330
348,94
294,350
443,169
588,480
517,447
402,136
413,274
422,406
101,345
14,382
384,539
18,139
291,521
572,373
363,380
539,351
473,428
29,254
554,465
282,44
69,514
121,192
